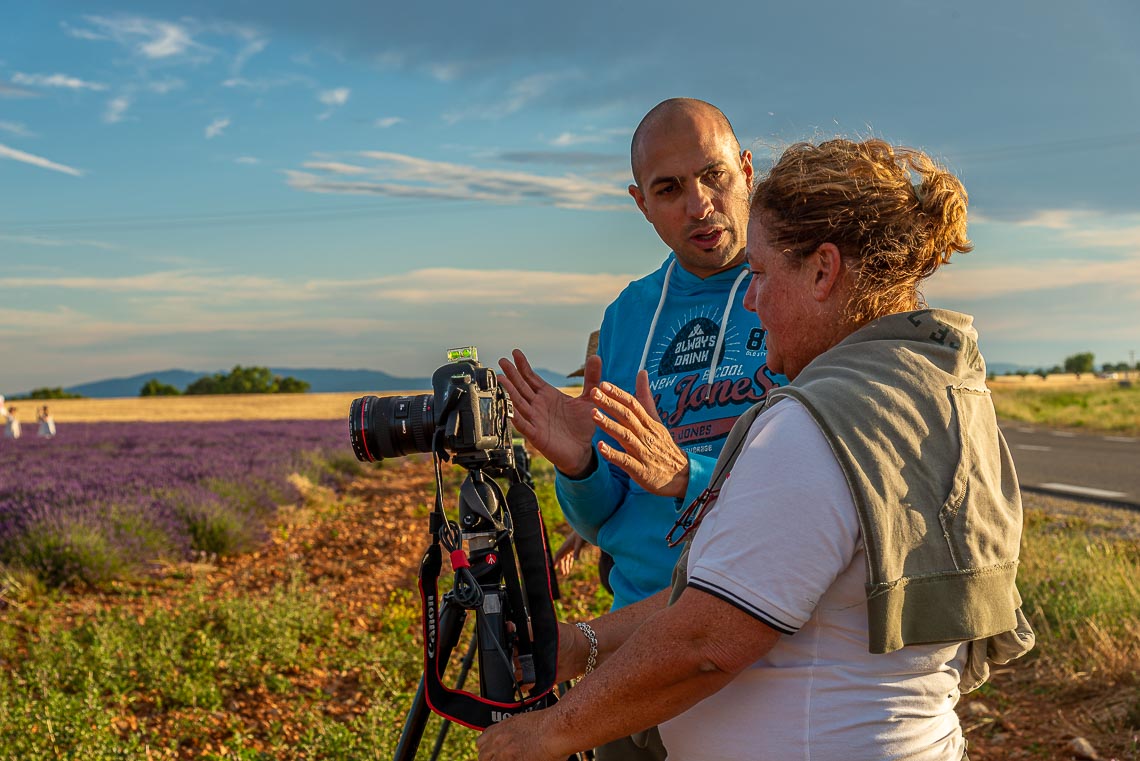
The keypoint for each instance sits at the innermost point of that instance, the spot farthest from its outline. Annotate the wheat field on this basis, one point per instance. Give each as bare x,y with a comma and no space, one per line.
195,408
1087,381
329,406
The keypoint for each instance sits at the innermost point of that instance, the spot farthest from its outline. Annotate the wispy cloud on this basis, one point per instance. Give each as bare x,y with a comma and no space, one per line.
334,99
443,72
160,41
429,285
1000,281
37,240
385,122
1052,219
1089,228
148,38
518,95
336,167
69,328
269,83
247,160
611,161
402,176
164,86
56,80
253,46
166,39
465,286
82,34
8,91
116,109
15,128
223,287
568,139
18,322
1081,231
1119,237
28,158
217,127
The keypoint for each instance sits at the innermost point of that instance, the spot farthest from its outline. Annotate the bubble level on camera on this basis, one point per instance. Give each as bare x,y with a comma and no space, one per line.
463,352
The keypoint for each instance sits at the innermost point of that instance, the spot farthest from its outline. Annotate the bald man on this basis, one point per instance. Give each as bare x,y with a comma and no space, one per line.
679,338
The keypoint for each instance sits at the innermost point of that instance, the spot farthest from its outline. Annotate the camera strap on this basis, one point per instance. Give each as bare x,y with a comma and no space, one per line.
527,581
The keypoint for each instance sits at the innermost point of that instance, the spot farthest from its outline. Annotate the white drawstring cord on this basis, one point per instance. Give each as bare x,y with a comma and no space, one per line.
724,325
656,314
723,322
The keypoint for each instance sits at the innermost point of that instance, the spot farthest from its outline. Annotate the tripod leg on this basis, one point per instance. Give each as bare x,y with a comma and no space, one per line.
464,670
413,726
451,619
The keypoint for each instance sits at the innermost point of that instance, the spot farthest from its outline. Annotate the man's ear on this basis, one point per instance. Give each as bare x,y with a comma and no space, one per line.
746,167
828,275
639,199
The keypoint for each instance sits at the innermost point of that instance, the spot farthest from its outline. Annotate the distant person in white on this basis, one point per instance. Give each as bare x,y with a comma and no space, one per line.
47,424
12,427
3,409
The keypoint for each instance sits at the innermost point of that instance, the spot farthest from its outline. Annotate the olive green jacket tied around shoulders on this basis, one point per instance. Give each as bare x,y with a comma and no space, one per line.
904,405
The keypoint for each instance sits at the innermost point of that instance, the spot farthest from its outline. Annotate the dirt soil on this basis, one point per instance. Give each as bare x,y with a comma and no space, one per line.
373,544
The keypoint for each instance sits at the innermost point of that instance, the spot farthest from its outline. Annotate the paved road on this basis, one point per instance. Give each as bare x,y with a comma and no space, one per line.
1092,466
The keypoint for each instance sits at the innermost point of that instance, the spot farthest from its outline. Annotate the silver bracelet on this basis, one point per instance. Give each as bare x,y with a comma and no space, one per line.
592,658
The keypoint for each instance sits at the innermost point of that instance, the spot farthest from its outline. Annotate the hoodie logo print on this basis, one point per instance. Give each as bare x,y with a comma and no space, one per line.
691,348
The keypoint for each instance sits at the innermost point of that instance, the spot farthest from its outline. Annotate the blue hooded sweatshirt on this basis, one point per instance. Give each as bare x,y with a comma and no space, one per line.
606,507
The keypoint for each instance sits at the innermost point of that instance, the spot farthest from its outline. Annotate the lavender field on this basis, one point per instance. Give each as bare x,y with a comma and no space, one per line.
105,500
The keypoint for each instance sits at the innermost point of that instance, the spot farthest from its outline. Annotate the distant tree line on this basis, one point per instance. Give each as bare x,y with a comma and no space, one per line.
1079,364
48,393
240,380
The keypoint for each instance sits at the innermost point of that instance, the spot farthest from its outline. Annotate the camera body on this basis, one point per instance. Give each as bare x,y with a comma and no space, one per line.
476,421
467,415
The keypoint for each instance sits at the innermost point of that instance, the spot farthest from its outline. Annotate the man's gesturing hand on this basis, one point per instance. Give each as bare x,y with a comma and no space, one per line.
651,458
560,427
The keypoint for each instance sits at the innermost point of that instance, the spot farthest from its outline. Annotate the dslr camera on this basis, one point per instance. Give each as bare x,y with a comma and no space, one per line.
467,415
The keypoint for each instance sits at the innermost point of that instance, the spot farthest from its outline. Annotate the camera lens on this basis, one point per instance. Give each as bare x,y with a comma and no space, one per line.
390,426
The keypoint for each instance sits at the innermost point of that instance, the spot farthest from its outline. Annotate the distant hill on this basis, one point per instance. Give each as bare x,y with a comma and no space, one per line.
320,380
1006,368
116,387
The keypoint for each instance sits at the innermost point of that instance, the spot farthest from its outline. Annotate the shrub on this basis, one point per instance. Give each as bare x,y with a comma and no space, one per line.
154,387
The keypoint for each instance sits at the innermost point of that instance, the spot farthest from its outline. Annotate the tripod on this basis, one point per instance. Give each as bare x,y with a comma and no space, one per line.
500,545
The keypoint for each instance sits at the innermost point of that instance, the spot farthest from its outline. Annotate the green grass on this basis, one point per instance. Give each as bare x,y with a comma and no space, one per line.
70,691
1095,407
1079,582
1081,588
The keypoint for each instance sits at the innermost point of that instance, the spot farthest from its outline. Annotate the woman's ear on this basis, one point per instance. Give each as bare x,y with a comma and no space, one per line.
828,263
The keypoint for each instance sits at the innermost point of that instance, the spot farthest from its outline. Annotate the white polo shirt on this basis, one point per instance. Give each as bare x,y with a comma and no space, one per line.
782,543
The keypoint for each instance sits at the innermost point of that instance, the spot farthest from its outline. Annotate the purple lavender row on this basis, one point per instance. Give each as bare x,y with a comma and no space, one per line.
103,499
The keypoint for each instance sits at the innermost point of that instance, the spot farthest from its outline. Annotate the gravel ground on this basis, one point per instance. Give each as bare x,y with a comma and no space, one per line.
1115,519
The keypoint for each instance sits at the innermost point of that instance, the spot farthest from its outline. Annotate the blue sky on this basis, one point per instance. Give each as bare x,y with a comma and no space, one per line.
366,184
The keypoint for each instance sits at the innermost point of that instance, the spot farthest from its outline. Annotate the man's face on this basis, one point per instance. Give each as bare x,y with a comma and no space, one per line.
693,188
